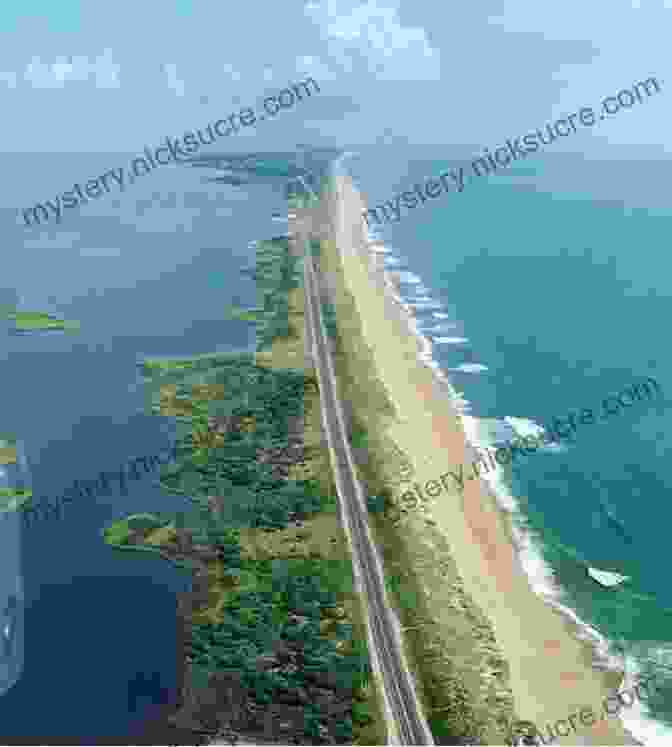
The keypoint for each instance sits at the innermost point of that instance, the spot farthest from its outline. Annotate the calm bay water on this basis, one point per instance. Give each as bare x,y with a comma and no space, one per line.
149,273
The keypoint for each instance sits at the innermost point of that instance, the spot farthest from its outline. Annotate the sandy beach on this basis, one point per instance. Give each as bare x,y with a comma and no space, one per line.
551,673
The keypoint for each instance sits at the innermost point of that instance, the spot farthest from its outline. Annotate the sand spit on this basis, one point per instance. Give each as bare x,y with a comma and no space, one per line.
485,602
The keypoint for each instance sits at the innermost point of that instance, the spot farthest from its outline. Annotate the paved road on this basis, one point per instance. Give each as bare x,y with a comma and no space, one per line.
401,702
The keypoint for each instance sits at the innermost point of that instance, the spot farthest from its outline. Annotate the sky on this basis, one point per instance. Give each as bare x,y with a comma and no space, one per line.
96,76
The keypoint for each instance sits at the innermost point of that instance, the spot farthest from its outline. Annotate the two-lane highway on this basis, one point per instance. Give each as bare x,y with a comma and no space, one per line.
406,722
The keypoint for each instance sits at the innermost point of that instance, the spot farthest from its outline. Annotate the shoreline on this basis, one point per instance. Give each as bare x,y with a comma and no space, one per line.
597,643
481,513
596,654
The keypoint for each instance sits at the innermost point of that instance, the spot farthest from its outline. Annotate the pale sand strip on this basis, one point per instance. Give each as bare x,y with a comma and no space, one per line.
550,669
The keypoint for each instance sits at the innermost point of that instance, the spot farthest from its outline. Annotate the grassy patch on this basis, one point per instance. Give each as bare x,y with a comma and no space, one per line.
7,454
161,536
36,320
117,533
315,248
15,493
130,532
13,499
242,315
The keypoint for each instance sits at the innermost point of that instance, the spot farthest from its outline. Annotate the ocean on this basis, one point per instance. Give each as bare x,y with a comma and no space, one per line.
149,272
542,290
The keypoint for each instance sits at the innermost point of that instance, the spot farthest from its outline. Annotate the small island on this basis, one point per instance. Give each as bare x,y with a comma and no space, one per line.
31,321
139,532
12,499
243,315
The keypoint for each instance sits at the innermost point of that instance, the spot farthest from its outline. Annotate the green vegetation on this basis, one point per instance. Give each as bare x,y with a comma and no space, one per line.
361,713
299,200
358,437
252,600
315,248
248,455
34,320
329,318
8,454
377,504
269,398
120,533
11,499
253,620
144,522
276,273
15,492
168,364
117,533
243,315
407,598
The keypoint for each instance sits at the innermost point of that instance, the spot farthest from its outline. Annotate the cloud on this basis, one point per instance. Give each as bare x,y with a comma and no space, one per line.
478,72
55,75
391,50
174,83
332,108
311,66
9,78
231,71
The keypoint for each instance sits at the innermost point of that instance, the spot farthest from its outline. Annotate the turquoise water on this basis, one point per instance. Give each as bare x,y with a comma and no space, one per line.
560,279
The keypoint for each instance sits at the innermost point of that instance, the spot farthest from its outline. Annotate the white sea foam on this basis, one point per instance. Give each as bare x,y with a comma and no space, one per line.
484,433
409,277
443,327
638,719
427,305
451,340
522,427
470,368
425,354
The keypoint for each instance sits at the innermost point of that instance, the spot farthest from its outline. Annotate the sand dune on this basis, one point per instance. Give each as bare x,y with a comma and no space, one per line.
550,671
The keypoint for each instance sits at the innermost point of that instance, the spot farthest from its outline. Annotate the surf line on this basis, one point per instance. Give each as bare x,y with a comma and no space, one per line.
503,455
508,451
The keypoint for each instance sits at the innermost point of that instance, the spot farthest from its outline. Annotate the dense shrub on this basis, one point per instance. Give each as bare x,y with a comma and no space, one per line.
376,503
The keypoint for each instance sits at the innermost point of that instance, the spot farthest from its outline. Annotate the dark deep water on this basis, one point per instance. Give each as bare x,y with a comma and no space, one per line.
148,273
